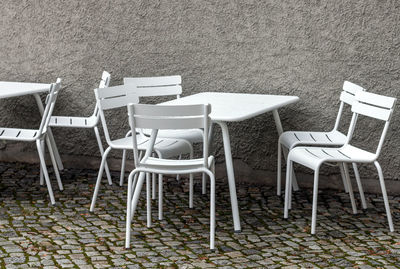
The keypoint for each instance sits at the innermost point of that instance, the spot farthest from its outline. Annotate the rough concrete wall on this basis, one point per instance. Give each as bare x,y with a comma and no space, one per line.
303,48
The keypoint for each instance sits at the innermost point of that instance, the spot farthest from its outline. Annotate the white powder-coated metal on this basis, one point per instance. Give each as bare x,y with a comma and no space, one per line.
232,107
236,106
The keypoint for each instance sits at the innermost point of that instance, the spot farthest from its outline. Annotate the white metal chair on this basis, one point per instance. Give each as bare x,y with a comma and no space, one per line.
86,122
158,117
118,97
39,135
292,139
367,104
162,86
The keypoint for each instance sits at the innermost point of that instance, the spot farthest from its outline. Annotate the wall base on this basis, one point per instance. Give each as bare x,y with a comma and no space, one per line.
243,172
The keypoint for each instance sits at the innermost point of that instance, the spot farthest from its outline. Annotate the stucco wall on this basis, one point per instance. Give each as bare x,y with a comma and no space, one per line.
303,48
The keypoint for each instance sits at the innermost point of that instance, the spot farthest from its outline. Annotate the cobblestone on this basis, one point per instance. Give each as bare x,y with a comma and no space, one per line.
34,234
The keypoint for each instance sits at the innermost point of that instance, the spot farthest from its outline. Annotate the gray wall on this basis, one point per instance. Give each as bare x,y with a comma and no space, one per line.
303,48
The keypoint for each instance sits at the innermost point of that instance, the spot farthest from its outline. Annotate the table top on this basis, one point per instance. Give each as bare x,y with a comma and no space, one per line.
236,106
13,89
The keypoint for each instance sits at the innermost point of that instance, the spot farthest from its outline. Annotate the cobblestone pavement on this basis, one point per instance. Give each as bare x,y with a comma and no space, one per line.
34,234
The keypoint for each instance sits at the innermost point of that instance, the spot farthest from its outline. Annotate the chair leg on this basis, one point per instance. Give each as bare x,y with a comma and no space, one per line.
41,170
148,199
315,202
203,184
101,149
153,188
212,210
384,194
160,196
54,162
160,189
134,181
287,188
291,188
346,189
153,184
350,187
191,191
210,148
136,194
121,178
44,168
279,171
136,174
360,187
191,183
100,175
128,211
178,176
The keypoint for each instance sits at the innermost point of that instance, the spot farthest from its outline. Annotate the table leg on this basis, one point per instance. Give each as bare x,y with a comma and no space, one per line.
231,176
50,134
285,151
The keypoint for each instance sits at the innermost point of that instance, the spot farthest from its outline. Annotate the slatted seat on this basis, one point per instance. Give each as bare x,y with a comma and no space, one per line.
164,147
19,134
294,138
291,139
313,157
86,122
370,105
73,122
172,164
191,135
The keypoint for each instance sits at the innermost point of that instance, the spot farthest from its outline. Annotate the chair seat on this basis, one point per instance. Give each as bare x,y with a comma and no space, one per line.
295,138
73,122
164,146
191,135
173,165
313,157
18,134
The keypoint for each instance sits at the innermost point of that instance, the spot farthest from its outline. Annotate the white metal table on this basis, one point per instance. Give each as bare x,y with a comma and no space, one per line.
233,107
14,89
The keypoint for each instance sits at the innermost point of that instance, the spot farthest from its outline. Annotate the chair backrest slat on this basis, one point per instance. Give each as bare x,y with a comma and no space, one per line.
351,87
154,81
156,86
119,101
371,111
170,117
169,123
376,99
347,97
170,111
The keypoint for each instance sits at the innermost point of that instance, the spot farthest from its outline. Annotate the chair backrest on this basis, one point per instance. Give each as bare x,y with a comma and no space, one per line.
113,98
156,86
104,82
157,117
50,103
375,106
346,97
